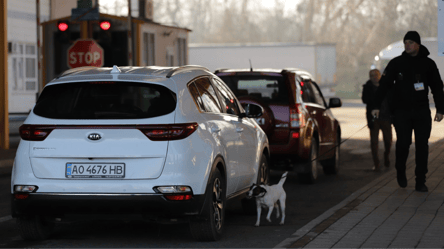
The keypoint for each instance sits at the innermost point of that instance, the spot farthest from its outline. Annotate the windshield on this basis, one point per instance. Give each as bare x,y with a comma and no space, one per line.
105,100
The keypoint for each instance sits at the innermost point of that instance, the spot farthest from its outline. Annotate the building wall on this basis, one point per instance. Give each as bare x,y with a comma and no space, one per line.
166,44
22,36
22,60
62,8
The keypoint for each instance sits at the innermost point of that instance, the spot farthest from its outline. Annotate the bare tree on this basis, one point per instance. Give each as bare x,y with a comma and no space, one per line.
359,28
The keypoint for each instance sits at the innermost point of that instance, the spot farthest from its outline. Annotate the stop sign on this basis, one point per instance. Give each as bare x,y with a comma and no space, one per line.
85,52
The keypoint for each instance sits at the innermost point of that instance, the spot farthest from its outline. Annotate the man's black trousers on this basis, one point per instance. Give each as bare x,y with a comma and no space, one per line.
420,122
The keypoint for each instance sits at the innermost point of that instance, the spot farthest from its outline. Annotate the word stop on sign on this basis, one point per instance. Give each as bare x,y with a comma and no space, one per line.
89,58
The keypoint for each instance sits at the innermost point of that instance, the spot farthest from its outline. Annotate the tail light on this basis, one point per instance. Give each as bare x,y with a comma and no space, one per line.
168,132
21,196
25,188
175,193
21,192
153,132
178,197
297,119
35,132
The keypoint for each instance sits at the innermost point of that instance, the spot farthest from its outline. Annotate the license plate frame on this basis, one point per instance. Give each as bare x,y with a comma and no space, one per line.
75,170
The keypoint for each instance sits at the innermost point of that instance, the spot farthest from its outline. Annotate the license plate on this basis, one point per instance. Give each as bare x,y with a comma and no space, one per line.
95,170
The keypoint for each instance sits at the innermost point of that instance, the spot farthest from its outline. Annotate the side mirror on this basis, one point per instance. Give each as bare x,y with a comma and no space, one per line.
253,110
231,111
334,102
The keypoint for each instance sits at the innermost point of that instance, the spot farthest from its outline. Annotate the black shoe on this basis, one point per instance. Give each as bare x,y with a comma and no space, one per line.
421,188
402,180
386,161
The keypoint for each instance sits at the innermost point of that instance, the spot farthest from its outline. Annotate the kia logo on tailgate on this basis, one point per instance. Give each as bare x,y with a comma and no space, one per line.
94,136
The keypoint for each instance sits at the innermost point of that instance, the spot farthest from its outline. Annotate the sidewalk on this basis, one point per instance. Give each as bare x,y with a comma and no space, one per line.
383,215
7,156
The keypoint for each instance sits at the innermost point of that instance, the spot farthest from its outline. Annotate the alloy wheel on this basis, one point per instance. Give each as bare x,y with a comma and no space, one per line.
217,203
314,162
263,173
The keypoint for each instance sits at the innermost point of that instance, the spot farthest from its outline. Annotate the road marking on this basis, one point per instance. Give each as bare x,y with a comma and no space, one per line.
6,218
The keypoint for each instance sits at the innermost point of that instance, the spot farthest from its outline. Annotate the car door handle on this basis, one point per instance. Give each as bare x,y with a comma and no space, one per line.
215,129
239,129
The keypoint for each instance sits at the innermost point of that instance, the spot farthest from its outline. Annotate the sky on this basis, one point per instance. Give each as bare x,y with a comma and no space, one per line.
270,3
265,3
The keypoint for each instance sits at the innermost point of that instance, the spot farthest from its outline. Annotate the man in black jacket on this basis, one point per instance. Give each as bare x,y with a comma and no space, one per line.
410,76
383,123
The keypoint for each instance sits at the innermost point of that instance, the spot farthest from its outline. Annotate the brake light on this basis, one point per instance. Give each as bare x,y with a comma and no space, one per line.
35,132
297,119
168,132
102,82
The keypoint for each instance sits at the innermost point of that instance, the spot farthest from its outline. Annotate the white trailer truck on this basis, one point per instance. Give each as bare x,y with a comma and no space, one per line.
395,49
317,59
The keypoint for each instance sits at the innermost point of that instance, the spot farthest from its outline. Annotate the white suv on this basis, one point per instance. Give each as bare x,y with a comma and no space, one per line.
162,143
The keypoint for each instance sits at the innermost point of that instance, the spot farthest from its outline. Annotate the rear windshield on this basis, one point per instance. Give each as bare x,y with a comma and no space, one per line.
271,89
105,100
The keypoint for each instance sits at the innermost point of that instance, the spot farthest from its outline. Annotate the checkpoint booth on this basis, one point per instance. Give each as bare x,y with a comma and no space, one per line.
107,44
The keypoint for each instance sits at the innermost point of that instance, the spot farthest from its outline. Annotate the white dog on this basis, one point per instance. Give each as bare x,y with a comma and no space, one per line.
268,196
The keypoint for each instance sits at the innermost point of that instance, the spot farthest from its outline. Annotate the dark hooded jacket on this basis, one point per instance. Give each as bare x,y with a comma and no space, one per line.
401,75
368,98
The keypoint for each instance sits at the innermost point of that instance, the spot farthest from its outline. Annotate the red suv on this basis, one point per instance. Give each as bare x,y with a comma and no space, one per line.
301,129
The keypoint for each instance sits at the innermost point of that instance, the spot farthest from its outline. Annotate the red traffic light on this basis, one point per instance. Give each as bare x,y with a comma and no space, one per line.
62,26
105,25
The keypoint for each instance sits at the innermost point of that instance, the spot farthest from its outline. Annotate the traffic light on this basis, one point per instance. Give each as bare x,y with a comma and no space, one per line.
104,31
63,26
63,32
105,25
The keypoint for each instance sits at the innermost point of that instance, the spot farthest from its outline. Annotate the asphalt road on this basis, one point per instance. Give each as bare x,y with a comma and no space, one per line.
304,203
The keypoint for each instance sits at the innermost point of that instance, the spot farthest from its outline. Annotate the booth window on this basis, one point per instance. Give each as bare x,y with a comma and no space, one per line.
182,51
24,67
148,49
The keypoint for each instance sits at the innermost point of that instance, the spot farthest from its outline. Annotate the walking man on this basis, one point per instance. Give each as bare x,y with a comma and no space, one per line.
382,123
410,76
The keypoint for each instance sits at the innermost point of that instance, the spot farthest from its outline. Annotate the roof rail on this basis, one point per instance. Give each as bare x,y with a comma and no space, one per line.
185,68
291,69
220,70
75,70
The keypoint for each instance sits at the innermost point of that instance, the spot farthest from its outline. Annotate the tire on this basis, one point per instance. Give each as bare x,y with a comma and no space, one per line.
331,166
311,166
34,228
263,177
211,227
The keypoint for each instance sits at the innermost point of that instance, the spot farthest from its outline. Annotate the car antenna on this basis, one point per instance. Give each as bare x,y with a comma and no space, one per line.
251,67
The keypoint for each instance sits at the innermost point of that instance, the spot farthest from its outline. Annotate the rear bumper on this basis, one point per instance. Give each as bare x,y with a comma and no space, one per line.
148,205
294,150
